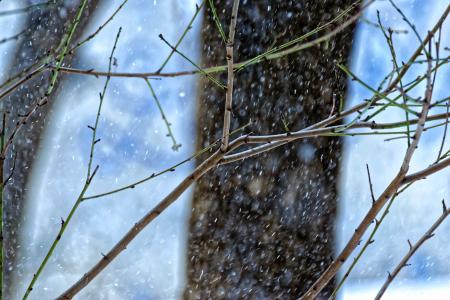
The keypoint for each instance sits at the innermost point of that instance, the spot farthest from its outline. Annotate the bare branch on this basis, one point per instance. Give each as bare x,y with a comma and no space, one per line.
390,190
175,145
317,128
263,56
208,164
412,249
370,184
369,241
90,175
26,9
189,26
277,140
97,31
199,69
230,77
172,168
13,37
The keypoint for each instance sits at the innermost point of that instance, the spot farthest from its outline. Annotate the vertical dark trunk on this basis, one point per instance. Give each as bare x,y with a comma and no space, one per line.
45,27
263,228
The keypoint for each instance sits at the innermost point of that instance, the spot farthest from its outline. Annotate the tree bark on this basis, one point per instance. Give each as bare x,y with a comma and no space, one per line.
45,27
263,228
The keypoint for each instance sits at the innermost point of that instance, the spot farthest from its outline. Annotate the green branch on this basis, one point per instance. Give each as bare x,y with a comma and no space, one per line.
89,177
175,145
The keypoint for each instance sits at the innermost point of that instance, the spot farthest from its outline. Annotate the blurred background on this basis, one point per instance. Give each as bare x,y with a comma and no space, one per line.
134,145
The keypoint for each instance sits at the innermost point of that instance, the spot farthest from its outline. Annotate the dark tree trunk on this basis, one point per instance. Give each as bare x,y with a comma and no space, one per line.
45,27
263,228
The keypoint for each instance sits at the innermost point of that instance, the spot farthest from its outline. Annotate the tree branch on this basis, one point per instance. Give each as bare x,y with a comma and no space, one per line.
413,248
230,78
396,182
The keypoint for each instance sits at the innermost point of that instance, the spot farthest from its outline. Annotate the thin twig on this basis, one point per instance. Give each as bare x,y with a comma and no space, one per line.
390,190
217,21
166,170
26,9
97,31
13,37
369,241
441,148
390,43
11,172
222,68
212,161
90,175
377,25
370,184
189,26
20,123
286,48
175,145
408,87
376,93
410,24
210,77
24,73
230,77
276,140
65,46
412,249
22,80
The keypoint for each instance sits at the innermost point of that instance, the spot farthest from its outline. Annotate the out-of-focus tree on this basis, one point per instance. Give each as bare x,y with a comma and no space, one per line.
264,228
45,27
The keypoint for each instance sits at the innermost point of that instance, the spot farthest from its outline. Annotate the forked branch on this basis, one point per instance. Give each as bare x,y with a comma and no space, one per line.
412,249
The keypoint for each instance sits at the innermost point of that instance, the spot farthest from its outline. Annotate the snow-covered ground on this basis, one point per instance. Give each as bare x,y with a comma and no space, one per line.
134,145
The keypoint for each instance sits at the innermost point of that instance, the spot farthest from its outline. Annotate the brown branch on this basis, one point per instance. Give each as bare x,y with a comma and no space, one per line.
43,101
412,249
230,78
434,168
356,108
92,72
228,158
213,161
390,190
222,68
22,80
208,164
277,140
27,74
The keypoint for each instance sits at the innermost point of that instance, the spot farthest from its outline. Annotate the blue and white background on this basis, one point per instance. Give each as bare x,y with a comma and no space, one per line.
134,145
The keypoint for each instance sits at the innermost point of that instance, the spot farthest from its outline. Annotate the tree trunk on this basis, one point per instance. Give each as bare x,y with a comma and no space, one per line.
45,27
264,227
